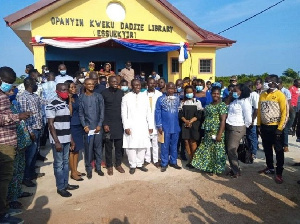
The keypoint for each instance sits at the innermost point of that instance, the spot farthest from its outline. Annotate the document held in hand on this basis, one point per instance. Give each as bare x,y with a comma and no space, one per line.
161,137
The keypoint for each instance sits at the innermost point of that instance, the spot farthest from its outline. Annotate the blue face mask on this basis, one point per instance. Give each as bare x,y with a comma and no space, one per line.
235,95
124,88
103,83
179,89
143,90
189,95
199,88
5,87
63,72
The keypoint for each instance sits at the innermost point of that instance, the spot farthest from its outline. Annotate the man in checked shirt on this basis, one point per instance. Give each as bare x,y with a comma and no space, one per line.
8,142
32,103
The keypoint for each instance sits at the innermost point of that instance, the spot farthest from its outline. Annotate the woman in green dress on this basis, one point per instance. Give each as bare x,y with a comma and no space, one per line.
210,155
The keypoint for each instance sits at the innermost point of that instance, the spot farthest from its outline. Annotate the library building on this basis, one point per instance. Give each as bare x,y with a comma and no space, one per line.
152,34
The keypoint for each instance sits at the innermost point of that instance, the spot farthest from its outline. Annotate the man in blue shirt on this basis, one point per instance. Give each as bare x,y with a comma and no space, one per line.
167,124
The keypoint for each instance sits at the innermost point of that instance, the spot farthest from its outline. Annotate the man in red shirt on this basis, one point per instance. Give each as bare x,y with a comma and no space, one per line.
294,101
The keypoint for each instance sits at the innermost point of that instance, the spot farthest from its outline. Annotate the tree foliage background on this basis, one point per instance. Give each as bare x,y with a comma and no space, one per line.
288,77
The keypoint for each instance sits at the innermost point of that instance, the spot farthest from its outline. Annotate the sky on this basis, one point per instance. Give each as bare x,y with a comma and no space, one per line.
268,43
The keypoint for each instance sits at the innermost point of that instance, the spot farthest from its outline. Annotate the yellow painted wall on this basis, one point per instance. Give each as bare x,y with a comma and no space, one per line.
137,11
39,57
190,68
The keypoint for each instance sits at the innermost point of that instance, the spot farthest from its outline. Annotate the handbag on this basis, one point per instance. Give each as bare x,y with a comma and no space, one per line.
244,152
23,137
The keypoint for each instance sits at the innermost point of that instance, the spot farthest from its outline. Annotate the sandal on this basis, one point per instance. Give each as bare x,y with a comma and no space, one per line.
25,195
15,205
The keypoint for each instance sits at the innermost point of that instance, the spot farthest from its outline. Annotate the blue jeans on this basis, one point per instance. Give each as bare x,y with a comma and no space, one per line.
30,156
61,165
169,149
252,139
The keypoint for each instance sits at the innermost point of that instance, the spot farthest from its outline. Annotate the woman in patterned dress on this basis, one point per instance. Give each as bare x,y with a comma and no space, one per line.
210,155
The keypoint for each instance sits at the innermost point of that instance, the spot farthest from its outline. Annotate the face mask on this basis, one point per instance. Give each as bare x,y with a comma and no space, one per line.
189,95
84,73
63,95
235,95
142,77
34,88
199,88
46,71
266,86
179,89
91,68
143,90
5,87
63,72
81,80
103,83
124,88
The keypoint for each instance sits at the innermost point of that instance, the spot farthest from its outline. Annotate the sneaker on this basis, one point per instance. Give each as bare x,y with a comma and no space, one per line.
267,171
298,140
11,220
278,179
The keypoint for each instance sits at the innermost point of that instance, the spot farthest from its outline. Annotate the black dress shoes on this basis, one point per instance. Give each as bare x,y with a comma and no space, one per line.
72,187
100,173
132,170
64,193
28,183
144,169
89,175
163,169
175,166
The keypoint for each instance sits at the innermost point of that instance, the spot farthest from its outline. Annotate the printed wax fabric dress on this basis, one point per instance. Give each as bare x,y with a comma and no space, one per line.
210,155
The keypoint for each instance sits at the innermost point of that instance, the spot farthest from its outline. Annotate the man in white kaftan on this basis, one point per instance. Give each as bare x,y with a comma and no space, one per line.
138,126
152,95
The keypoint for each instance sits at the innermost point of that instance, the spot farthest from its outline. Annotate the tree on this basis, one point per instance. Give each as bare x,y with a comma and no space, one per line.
290,74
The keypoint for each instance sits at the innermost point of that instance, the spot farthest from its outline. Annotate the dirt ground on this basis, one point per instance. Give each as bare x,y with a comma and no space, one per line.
176,196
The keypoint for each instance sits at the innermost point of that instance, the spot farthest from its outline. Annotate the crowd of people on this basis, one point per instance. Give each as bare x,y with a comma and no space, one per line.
141,116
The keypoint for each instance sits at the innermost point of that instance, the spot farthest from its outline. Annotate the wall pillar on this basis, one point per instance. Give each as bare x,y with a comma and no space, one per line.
39,56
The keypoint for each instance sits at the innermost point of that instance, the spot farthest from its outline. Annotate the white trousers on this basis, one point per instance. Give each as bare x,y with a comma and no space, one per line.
136,157
155,148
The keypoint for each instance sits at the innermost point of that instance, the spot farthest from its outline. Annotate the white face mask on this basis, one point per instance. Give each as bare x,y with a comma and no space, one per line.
81,80
266,86
84,73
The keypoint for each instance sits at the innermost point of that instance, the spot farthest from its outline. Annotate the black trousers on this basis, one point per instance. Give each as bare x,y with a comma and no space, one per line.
45,136
268,135
298,125
109,149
